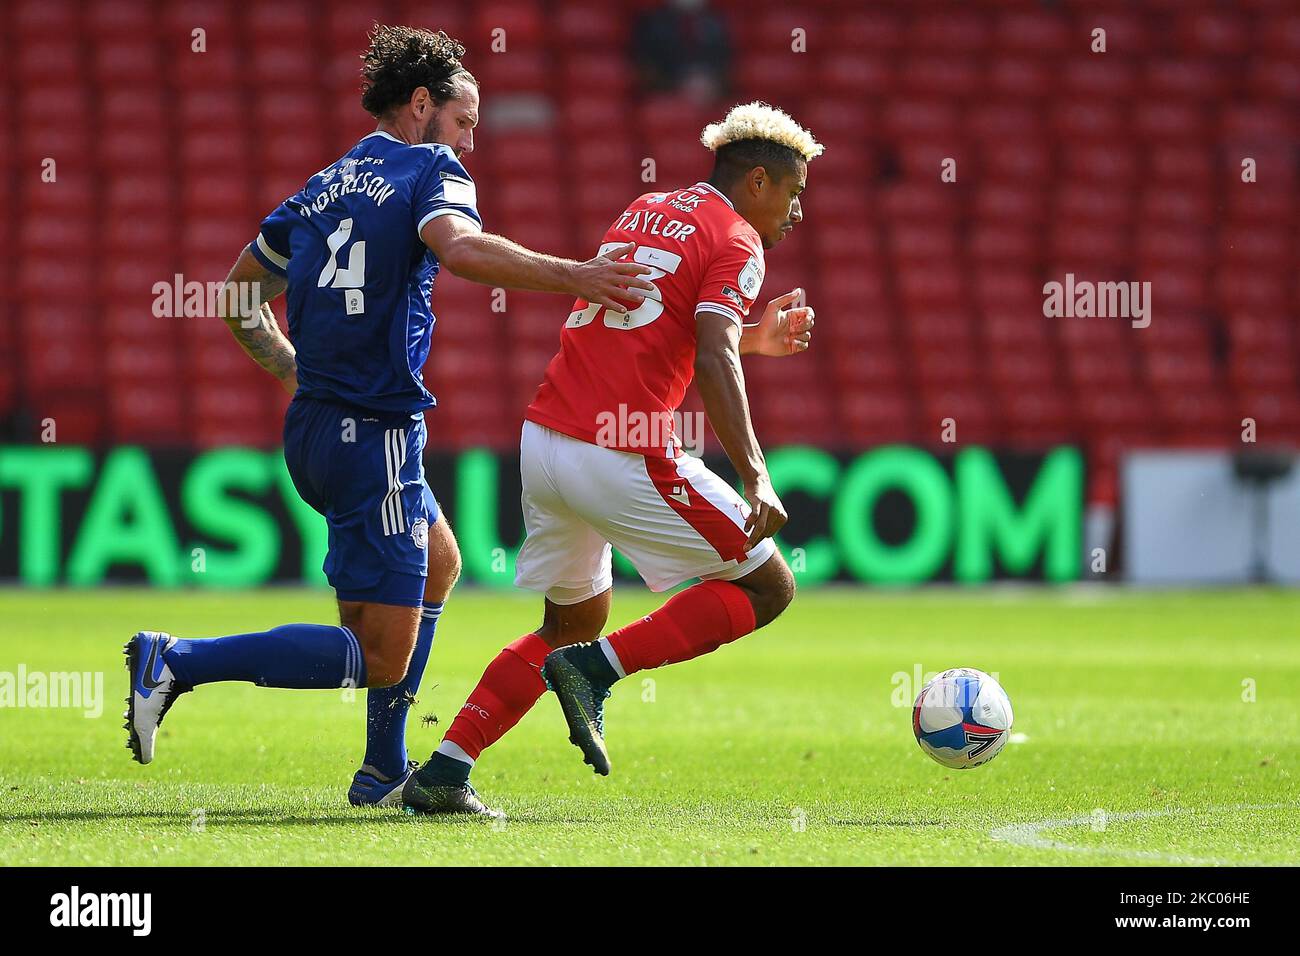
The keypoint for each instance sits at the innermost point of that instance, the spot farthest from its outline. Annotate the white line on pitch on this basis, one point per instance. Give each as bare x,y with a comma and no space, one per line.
1031,834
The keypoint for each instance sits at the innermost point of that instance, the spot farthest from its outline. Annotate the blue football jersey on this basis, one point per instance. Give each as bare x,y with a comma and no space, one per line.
359,276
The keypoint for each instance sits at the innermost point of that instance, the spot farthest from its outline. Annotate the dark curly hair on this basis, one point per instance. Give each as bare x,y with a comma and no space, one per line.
402,59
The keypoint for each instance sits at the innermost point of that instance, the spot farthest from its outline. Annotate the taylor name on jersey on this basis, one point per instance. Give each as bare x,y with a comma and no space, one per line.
705,258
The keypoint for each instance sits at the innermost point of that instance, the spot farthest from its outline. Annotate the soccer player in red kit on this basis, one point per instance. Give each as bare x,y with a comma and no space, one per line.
602,464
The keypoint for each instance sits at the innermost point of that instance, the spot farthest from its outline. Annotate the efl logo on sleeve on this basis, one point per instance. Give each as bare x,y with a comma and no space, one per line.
457,191
751,277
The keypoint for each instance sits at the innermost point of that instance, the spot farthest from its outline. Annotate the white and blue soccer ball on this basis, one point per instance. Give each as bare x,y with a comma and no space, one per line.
962,718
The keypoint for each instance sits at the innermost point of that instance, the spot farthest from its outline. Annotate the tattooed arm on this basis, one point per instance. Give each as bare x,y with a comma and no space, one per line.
256,331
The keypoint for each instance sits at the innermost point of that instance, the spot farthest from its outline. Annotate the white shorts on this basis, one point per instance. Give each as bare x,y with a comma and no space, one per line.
674,520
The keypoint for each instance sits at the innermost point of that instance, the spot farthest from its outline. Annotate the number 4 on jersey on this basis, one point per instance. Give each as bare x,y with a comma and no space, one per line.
351,279
662,262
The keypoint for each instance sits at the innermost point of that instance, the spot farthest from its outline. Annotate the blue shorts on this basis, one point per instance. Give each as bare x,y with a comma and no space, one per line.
364,471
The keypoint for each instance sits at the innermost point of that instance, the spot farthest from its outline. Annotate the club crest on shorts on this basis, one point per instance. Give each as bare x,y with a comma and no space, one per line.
420,533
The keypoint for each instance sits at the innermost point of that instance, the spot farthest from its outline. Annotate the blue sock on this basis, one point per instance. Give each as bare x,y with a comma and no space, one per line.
291,655
387,707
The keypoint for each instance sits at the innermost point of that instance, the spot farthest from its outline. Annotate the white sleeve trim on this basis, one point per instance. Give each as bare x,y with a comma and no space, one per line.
720,310
445,211
270,253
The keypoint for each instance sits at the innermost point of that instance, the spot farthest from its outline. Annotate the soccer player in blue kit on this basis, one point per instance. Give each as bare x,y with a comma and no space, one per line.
357,250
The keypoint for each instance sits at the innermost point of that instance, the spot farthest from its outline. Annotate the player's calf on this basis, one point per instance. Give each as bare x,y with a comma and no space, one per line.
565,624
694,622
509,688
387,635
306,656
444,562
770,589
385,764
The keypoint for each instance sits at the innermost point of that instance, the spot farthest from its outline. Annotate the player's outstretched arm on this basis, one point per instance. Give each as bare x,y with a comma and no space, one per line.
782,330
256,330
496,261
721,381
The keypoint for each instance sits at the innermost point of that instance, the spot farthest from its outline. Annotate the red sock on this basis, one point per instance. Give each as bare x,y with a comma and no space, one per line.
507,690
697,621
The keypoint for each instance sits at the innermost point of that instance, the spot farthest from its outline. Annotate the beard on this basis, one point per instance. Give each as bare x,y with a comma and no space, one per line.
430,132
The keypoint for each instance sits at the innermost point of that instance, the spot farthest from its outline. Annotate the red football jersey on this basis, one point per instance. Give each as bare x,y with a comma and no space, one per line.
618,378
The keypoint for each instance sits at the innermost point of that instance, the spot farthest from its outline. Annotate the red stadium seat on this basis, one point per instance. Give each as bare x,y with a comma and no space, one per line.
1168,245
1021,76
1124,416
1036,418
128,61
217,67
78,419
924,286
1264,332
872,30
1274,79
958,32
878,366
965,415
996,243
1274,412
606,72
1270,371
1281,34
121,18
1038,32
1214,33
786,69
849,75
1011,290
1164,121
1199,417
1180,166
1104,244
1028,370
1184,79
589,26
943,370
522,22
1261,207
1107,164
36,18
1090,370
877,417
1116,167
949,74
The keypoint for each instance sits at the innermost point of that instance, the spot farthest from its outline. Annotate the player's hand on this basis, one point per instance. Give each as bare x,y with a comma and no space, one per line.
784,329
606,281
767,515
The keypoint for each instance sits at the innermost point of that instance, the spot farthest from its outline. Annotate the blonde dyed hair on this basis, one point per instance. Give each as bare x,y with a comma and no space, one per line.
760,121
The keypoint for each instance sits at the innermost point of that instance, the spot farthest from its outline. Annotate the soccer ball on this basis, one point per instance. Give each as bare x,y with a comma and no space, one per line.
962,718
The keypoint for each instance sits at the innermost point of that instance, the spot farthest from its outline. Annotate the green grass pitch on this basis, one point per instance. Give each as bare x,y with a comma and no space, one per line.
1159,728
